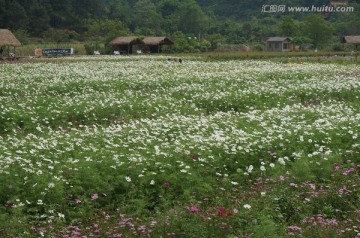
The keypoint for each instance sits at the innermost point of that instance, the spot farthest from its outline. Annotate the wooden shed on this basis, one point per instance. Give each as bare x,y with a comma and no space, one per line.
154,44
351,40
124,44
282,44
7,40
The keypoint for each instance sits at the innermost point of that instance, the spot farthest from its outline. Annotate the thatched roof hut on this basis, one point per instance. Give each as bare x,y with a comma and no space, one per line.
351,39
124,44
8,39
154,43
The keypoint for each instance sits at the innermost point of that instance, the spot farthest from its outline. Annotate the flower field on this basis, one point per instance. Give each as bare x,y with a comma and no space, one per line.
144,147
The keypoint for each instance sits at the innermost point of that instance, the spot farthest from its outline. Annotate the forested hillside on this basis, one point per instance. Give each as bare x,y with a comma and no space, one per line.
217,21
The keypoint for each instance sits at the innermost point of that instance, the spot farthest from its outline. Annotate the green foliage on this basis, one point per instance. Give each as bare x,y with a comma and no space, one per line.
267,227
188,44
289,27
105,30
301,41
190,18
146,18
338,47
259,47
318,30
60,35
22,36
99,21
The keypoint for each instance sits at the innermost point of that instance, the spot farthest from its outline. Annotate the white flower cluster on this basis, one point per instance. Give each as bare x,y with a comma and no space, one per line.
172,109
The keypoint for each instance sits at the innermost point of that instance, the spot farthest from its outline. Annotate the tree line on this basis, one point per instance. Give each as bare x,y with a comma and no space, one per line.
198,24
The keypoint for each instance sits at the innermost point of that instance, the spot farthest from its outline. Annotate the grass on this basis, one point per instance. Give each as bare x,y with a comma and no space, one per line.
140,147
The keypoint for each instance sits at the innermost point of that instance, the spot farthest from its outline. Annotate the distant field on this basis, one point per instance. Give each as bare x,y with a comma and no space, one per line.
342,57
143,146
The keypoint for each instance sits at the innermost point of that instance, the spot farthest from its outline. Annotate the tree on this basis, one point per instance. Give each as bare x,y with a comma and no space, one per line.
22,36
89,9
301,41
38,25
105,30
146,17
247,31
318,30
191,19
14,15
167,8
2,13
289,27
120,10
60,35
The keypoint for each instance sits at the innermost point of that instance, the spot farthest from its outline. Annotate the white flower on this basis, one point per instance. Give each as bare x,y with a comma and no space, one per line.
234,183
247,206
152,182
61,215
157,150
250,168
272,165
51,185
128,179
262,168
20,204
281,161
40,202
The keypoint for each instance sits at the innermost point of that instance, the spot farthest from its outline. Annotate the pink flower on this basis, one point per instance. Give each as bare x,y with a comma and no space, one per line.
167,184
192,209
312,186
78,200
282,178
221,211
94,196
294,228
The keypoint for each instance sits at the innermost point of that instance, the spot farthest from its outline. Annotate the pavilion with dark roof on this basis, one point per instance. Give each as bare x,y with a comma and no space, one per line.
154,44
124,44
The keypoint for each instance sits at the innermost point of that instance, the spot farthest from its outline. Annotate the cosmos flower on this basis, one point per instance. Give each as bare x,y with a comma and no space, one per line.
247,206
167,184
94,197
